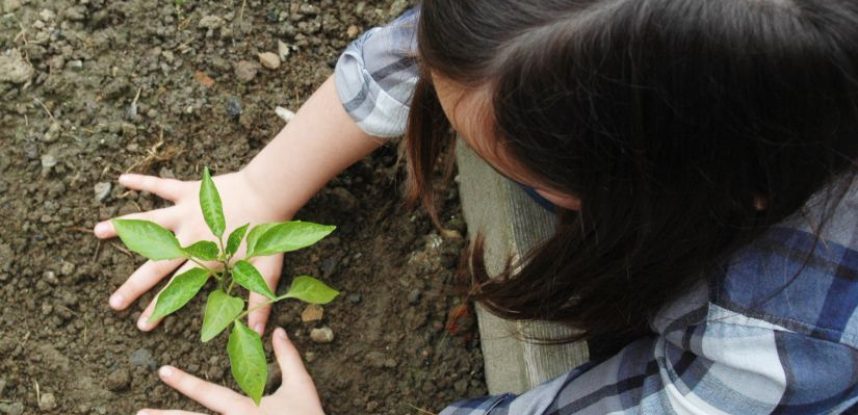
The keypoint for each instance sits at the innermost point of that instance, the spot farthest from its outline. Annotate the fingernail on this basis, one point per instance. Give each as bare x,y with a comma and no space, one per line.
259,328
101,228
165,371
117,301
279,332
143,323
142,413
123,178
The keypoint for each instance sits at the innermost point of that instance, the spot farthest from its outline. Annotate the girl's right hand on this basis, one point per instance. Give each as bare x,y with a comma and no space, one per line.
241,203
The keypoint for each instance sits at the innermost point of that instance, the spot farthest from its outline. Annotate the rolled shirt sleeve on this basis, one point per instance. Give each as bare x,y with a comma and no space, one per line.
376,75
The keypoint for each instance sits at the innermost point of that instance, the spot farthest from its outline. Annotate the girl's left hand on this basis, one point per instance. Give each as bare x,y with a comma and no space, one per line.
296,395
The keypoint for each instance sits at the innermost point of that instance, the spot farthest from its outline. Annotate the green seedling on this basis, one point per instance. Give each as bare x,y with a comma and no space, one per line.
223,309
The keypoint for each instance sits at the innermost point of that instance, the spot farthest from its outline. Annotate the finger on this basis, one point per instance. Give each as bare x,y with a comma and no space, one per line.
164,217
288,358
269,267
214,397
166,412
170,189
144,323
141,281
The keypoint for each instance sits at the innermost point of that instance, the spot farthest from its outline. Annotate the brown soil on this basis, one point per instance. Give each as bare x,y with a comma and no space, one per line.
139,85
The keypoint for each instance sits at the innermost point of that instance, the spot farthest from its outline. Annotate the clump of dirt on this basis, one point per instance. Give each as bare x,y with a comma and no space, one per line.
93,88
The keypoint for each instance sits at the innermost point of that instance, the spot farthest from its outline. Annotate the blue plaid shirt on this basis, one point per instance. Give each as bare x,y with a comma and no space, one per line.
775,332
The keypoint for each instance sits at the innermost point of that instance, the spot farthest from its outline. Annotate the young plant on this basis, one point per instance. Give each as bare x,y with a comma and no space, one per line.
246,356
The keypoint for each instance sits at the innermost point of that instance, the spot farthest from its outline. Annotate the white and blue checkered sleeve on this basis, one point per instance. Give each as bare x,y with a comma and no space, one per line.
375,77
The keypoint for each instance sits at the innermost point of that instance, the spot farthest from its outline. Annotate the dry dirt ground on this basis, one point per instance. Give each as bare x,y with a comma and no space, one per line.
93,88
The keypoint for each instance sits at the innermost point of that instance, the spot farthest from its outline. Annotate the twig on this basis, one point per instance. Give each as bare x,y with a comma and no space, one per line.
45,107
122,249
421,410
80,229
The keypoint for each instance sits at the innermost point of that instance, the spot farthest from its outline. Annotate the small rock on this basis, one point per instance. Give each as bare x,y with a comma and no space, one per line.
47,15
284,114
47,402
352,31
75,64
233,107
14,408
283,50
53,132
11,5
246,71
14,69
414,296
211,22
143,358
102,190
354,298
269,60
312,313
322,335
118,380
67,268
75,14
48,161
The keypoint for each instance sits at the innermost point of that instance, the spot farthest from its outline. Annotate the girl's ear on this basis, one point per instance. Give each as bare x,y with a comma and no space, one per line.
559,199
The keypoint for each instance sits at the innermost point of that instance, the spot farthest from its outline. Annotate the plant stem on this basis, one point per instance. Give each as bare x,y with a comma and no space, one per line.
265,304
211,271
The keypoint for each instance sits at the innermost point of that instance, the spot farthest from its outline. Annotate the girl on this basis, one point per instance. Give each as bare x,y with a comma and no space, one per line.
700,156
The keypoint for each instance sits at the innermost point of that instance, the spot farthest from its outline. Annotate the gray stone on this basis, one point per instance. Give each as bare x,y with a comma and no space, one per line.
246,71
47,402
143,358
283,50
14,408
233,106
9,6
48,160
14,69
211,22
102,190
414,296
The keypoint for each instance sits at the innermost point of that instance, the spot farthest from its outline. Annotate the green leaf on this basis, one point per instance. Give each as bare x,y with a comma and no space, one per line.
247,276
290,236
234,240
247,359
255,234
148,239
221,310
211,205
204,250
180,290
310,290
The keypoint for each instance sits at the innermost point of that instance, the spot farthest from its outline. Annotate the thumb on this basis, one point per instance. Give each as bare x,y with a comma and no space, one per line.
289,360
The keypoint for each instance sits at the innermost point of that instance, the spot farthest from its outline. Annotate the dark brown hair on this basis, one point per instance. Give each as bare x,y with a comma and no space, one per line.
668,118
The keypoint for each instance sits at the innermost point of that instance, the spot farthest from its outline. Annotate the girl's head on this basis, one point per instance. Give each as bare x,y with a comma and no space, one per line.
670,131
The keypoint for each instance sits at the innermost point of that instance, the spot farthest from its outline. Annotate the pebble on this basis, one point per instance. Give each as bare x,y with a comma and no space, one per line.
143,358
75,14
246,71
53,132
118,380
47,14
354,298
352,31
233,106
14,68
269,60
67,268
211,22
14,408
11,5
414,296
47,402
312,313
102,190
322,335
284,114
48,161
283,50
75,64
